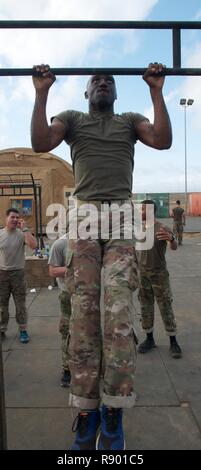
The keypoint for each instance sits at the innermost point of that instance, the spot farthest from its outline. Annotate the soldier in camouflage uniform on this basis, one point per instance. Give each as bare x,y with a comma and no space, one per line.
13,238
179,221
102,150
154,284
57,268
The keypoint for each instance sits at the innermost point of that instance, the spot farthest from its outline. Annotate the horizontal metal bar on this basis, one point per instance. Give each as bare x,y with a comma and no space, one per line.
93,71
15,185
14,194
57,24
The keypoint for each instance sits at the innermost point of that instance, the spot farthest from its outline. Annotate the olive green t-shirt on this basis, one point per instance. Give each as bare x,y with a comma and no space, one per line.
154,259
12,256
102,152
178,213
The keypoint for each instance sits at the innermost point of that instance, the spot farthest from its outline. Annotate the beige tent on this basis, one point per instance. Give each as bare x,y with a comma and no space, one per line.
22,170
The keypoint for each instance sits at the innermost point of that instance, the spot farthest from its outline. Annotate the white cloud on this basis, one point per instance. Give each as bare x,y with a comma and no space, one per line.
198,15
2,98
76,9
23,48
191,86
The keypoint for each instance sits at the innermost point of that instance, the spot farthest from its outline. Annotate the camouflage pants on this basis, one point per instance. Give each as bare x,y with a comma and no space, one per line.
85,260
13,282
178,231
156,286
65,309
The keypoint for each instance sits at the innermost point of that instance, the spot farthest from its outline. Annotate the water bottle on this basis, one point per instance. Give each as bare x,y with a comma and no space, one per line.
39,254
47,250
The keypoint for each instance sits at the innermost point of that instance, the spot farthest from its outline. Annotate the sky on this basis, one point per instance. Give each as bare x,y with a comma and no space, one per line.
155,171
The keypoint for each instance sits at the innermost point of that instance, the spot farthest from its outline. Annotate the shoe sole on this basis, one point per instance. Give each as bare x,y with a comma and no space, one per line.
147,350
66,385
97,441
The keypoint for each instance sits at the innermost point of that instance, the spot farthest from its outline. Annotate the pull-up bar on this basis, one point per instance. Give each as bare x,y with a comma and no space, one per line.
175,26
97,24
97,71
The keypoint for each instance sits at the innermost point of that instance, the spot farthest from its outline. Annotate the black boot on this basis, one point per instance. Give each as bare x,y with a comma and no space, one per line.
147,344
175,349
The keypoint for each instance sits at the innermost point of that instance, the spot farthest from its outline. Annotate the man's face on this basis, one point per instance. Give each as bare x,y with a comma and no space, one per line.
148,213
101,90
12,221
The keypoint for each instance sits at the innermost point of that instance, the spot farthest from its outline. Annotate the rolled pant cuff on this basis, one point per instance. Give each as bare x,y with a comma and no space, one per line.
171,333
127,401
83,403
3,329
148,330
23,327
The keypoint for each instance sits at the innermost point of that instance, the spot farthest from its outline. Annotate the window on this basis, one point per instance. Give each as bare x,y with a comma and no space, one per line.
24,206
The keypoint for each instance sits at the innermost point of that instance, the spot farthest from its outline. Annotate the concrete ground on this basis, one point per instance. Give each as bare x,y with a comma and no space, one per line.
167,414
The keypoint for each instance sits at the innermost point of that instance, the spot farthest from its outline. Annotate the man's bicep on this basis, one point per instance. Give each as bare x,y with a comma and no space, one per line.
145,133
59,131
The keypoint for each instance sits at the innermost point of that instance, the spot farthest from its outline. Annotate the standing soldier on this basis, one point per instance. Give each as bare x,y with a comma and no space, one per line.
13,238
179,220
57,268
154,284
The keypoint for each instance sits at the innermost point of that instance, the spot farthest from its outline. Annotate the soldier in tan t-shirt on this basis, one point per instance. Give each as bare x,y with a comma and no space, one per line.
13,238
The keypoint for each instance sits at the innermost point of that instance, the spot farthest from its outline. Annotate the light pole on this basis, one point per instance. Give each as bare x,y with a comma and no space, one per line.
185,103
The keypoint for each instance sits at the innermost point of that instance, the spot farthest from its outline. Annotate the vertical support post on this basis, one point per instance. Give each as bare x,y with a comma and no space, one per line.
185,156
40,218
36,208
3,433
176,44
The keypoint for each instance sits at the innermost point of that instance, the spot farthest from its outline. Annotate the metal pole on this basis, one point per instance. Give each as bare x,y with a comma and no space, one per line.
3,433
17,72
97,24
185,155
40,218
176,36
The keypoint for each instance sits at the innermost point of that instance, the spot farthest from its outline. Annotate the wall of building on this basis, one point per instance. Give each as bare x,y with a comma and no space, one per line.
50,171
166,201
195,204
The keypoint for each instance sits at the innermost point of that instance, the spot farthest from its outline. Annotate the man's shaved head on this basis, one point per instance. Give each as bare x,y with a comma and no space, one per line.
101,92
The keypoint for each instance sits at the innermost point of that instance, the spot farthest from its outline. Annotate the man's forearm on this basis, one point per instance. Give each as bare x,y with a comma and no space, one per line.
40,132
57,271
162,125
30,240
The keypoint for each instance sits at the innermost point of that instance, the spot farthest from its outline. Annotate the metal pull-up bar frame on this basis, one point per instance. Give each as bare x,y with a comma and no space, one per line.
175,26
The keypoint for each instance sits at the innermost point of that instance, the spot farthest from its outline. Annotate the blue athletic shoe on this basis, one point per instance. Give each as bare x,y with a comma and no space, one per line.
111,436
85,426
24,337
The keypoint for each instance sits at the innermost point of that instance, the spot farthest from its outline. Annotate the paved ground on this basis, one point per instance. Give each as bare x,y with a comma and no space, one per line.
167,414
193,224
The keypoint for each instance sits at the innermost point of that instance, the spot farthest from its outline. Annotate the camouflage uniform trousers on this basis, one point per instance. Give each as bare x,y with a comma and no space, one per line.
13,282
178,231
156,285
85,260
65,309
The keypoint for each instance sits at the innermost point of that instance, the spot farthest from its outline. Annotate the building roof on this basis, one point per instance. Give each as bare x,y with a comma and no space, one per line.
20,152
